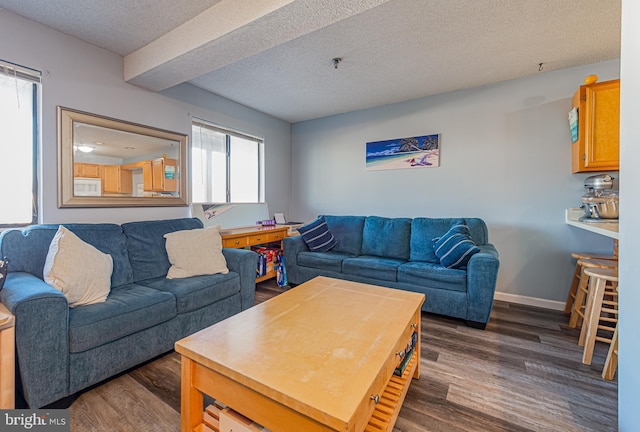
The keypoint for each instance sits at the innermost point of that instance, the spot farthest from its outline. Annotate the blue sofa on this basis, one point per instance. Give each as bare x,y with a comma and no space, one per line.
398,253
62,350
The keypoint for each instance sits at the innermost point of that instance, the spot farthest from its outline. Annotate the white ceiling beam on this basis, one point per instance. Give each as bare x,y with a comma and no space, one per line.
230,31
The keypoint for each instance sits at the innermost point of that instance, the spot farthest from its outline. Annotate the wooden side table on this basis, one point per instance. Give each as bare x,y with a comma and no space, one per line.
7,358
254,236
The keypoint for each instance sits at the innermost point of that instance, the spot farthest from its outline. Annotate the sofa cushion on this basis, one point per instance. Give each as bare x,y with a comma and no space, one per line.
477,230
128,309
432,275
455,248
423,230
331,260
195,252
386,237
373,267
78,270
348,233
27,248
197,291
146,245
317,236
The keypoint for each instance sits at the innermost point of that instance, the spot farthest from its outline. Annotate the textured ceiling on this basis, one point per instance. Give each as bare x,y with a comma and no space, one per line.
276,55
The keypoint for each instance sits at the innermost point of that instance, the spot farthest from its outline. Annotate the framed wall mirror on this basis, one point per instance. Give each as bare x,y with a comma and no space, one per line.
104,162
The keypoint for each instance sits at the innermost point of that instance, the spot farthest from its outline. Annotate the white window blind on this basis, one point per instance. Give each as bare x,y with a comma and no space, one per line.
18,143
227,165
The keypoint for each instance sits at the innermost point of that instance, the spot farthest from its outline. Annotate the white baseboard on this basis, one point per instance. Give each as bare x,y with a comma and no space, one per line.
529,301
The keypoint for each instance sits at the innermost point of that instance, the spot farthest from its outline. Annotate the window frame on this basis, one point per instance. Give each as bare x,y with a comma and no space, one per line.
229,133
34,76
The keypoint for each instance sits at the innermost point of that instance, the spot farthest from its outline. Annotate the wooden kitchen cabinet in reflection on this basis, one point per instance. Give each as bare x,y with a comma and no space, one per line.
87,170
598,145
159,175
117,180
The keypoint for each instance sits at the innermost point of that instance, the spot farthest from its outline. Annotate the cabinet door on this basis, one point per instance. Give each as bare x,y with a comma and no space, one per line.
126,181
157,167
117,180
170,174
147,175
111,183
91,170
164,175
598,145
86,170
602,134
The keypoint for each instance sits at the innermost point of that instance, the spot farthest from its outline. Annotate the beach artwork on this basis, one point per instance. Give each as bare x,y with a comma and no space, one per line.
404,153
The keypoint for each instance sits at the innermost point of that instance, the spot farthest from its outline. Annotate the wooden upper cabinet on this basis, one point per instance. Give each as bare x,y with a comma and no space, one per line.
163,175
147,176
598,144
117,180
87,170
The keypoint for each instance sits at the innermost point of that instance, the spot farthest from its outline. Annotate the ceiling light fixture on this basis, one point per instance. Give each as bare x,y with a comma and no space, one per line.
336,61
85,148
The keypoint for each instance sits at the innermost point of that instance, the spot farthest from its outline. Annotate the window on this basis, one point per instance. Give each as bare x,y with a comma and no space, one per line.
227,166
19,144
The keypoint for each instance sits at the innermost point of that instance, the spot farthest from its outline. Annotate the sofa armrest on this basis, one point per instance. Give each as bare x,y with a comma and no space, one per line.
292,247
482,274
244,263
42,340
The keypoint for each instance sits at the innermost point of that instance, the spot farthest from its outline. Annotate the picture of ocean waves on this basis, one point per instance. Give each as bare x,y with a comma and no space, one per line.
402,153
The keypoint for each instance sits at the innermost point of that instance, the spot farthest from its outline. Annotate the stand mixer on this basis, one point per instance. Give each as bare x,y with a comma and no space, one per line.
600,204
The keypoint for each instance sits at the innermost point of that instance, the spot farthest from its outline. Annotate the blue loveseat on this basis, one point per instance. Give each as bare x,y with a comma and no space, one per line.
399,253
62,350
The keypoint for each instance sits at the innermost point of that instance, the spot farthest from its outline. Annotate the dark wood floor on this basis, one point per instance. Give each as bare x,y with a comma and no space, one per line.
523,373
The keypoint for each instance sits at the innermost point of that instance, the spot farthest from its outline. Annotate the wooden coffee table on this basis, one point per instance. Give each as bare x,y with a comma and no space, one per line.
319,357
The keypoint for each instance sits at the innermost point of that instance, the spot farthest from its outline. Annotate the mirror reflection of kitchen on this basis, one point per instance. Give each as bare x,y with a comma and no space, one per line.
110,162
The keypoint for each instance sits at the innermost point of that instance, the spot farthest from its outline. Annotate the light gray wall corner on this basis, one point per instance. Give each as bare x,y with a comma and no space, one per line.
505,157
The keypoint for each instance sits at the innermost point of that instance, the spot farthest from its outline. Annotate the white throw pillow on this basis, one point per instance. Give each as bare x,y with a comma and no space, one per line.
80,271
195,252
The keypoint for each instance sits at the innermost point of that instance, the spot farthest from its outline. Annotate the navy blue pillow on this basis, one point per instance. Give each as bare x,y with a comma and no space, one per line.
455,248
317,236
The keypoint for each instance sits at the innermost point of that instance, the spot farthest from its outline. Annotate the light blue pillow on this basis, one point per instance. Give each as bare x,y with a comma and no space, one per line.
455,248
317,236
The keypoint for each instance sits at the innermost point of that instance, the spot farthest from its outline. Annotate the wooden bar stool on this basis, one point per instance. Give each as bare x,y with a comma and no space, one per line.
568,306
611,363
599,278
579,304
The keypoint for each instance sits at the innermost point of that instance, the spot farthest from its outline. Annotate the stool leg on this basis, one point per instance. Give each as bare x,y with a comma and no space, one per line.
588,308
611,363
568,306
603,305
590,325
579,301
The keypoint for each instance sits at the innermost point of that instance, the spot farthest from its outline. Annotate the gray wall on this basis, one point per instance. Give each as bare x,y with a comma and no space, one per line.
628,376
505,157
83,77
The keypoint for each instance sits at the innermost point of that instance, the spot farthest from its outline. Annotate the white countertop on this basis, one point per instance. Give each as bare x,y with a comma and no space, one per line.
609,229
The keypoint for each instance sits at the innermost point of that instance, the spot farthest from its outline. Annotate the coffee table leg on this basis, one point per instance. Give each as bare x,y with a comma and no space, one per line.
7,368
192,400
418,320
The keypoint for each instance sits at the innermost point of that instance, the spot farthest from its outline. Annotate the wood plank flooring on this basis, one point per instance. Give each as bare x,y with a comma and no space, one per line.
523,373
